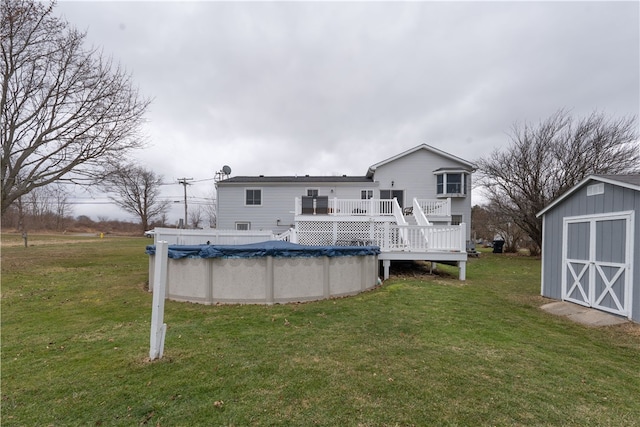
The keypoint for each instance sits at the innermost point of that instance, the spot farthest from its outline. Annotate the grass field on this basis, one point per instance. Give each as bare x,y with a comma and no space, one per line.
419,350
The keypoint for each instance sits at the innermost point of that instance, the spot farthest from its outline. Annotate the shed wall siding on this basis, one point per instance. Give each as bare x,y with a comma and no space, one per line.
615,199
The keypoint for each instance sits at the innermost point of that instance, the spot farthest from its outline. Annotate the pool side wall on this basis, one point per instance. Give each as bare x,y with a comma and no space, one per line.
266,280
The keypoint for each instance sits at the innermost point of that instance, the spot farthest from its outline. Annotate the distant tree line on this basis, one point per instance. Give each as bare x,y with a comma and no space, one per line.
49,221
49,210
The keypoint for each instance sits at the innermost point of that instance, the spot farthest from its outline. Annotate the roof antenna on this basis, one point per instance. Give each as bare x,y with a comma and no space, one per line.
222,174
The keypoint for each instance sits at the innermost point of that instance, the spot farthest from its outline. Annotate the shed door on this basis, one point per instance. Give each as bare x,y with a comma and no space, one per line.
597,262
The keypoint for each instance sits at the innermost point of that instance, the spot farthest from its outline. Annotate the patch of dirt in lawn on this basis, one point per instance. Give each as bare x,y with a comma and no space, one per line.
630,328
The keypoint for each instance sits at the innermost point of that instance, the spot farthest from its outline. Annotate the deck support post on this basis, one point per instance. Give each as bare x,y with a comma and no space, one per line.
386,263
462,275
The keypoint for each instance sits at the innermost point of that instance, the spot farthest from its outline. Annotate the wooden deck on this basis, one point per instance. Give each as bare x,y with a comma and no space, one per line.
384,224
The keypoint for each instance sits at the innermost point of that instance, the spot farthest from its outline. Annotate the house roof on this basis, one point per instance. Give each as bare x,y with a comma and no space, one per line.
295,179
466,164
631,181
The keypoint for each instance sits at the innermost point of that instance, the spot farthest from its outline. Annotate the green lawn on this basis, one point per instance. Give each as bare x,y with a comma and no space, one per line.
419,350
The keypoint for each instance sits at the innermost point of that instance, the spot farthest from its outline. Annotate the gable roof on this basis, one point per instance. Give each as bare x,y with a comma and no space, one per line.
429,148
631,181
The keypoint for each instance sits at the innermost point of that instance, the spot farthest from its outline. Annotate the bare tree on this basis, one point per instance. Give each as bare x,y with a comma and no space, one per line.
163,219
503,228
480,224
546,160
137,191
195,217
211,209
66,111
47,206
60,205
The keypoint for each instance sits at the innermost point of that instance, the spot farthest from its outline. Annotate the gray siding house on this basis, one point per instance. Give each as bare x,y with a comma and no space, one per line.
591,247
423,172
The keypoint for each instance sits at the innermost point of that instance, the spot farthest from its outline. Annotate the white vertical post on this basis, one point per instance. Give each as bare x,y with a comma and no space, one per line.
462,274
385,265
158,328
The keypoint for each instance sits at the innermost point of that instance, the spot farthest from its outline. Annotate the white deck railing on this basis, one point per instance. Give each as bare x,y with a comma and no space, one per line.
374,207
351,207
416,238
419,215
387,235
435,207
287,236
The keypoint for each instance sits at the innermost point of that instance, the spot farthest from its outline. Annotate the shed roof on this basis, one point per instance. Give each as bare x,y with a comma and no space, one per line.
631,181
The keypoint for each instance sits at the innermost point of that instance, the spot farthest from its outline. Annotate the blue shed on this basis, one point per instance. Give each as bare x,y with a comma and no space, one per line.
591,247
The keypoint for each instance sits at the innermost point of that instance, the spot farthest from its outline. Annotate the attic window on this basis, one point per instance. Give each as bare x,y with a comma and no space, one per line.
595,189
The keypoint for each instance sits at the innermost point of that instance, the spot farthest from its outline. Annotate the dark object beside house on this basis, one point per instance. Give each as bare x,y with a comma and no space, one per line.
307,205
322,205
471,249
497,246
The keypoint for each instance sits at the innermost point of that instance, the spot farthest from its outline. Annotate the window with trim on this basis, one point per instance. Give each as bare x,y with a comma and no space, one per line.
253,197
366,194
312,192
456,219
451,183
243,226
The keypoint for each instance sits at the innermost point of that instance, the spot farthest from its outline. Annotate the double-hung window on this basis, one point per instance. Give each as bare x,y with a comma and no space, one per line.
253,197
366,194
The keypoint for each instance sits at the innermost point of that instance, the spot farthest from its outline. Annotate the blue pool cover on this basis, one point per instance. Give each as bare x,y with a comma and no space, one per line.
274,248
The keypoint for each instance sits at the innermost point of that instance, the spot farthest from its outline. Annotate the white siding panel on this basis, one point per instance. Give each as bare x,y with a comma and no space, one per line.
278,202
414,174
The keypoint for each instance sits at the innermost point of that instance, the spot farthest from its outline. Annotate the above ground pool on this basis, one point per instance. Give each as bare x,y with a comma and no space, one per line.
266,273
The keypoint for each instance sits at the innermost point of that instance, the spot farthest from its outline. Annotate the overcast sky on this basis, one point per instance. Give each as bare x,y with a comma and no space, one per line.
324,88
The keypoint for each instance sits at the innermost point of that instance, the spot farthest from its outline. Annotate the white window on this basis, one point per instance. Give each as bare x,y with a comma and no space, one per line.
366,194
456,219
243,226
451,183
253,197
312,192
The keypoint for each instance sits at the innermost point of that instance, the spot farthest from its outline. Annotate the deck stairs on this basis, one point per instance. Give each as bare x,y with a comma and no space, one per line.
422,231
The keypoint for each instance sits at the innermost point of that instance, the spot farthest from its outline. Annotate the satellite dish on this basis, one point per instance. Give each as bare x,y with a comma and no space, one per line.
226,169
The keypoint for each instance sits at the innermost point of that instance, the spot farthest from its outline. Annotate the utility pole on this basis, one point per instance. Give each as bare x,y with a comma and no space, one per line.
184,182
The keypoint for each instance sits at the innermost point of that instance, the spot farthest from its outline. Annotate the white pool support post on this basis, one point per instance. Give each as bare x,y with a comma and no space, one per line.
158,328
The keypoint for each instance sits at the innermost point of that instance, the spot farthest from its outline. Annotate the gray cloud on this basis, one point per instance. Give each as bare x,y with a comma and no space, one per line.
331,88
